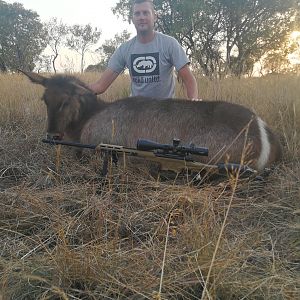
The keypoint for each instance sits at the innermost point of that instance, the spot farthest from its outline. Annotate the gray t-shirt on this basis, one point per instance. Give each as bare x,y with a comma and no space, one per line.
151,65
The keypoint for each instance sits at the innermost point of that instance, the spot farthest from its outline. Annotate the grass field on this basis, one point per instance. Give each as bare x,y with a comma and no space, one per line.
65,233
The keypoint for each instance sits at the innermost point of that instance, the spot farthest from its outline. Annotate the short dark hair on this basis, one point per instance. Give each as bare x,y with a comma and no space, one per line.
142,1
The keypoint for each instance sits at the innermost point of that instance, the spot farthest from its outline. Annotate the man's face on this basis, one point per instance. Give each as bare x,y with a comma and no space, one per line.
143,17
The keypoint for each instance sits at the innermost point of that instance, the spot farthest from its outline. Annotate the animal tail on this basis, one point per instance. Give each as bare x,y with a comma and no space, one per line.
265,151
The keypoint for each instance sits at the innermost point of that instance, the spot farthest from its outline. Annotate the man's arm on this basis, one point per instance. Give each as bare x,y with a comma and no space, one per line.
189,81
101,85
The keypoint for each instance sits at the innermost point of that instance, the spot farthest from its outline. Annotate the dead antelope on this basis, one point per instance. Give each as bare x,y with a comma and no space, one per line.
230,131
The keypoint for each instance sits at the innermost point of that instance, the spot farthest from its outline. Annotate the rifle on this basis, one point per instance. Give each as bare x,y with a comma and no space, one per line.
172,157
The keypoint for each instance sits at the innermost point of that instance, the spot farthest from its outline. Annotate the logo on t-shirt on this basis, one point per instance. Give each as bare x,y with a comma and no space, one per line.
145,64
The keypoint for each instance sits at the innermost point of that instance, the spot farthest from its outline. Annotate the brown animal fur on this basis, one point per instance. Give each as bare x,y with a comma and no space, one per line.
226,129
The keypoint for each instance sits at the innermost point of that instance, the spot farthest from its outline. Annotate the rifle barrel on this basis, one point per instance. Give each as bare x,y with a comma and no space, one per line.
72,144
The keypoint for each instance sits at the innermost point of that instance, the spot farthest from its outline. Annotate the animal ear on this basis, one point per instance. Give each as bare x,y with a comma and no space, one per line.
35,78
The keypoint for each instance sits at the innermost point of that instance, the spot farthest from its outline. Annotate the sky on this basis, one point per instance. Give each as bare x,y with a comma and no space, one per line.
95,12
98,13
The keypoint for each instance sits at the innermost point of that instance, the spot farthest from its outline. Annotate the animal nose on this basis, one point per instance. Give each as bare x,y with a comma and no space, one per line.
54,136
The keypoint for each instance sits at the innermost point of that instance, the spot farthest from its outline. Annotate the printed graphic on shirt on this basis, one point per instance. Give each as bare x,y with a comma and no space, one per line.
145,67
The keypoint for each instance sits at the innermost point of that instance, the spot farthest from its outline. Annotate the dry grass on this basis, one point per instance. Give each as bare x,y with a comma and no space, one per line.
70,234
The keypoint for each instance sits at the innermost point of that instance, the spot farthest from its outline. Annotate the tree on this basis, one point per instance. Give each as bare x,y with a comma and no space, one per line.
107,49
252,28
43,63
57,33
223,36
285,58
22,37
81,39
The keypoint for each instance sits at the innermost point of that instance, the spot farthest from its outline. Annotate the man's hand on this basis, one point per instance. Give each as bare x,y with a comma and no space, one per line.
107,78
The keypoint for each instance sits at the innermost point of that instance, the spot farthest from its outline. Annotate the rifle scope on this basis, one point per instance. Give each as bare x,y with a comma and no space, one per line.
147,145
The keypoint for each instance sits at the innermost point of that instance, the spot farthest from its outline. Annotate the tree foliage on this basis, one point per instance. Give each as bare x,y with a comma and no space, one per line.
254,28
22,37
223,36
82,38
284,59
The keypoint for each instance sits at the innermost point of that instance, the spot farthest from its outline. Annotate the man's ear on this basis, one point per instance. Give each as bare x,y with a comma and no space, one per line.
35,77
155,18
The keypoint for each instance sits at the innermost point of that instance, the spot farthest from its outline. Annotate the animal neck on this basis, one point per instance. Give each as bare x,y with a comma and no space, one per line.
89,107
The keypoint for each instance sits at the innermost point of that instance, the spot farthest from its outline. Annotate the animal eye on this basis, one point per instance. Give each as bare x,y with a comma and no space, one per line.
63,105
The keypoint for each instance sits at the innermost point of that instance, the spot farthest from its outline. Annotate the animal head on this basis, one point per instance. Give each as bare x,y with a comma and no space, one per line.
64,97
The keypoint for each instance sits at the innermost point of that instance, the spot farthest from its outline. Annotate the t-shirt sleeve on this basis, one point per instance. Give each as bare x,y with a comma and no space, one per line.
178,56
117,63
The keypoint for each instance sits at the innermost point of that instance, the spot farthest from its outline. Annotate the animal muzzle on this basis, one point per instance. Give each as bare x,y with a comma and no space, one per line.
55,136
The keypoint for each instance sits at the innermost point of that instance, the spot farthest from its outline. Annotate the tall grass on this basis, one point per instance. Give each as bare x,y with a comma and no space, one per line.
67,233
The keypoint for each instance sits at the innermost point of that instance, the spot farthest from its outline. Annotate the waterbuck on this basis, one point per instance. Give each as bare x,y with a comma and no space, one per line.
230,131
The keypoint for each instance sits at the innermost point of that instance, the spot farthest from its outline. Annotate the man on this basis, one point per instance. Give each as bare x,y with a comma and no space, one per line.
151,58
